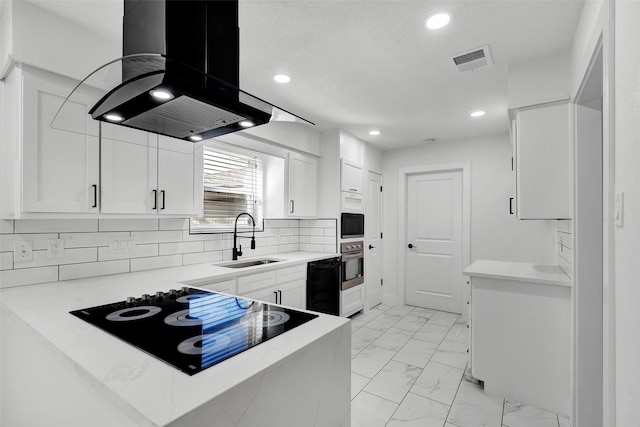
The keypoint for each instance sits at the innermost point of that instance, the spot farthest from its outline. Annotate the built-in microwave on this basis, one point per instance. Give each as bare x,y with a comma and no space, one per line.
351,225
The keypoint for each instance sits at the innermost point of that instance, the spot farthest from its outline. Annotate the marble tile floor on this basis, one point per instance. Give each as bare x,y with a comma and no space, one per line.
407,369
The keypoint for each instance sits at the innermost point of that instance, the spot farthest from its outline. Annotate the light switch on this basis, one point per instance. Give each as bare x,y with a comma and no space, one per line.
618,214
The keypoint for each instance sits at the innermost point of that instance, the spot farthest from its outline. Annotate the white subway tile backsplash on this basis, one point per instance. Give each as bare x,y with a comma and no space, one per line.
55,225
71,256
322,240
158,243
139,264
217,245
332,249
141,224
92,269
28,276
6,226
323,223
87,240
139,251
330,231
311,248
201,257
312,231
180,248
6,260
156,236
288,248
39,241
174,224
202,236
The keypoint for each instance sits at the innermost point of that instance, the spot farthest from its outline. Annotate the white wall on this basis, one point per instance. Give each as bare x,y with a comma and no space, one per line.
494,233
53,43
627,238
539,80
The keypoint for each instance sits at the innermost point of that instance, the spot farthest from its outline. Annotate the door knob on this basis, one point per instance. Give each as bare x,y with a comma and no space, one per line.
410,245
371,247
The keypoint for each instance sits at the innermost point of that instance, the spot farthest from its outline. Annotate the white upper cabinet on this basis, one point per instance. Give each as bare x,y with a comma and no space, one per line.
129,170
542,162
301,186
350,176
180,183
74,167
59,163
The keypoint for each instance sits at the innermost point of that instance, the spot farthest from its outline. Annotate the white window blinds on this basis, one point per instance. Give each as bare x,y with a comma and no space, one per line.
232,185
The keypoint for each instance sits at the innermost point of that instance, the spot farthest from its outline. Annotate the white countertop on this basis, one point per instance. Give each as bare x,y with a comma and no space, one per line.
145,388
519,272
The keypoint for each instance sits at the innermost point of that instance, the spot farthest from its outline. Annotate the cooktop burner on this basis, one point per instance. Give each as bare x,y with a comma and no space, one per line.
193,329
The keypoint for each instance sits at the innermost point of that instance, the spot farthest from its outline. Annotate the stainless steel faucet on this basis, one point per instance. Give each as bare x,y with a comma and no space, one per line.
236,252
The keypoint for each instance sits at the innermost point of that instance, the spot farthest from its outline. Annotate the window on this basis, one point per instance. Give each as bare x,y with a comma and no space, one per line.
232,185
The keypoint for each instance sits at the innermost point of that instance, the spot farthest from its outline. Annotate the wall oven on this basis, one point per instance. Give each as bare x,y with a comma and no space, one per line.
352,264
351,225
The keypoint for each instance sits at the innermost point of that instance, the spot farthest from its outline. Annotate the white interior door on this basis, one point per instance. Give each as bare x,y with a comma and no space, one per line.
373,241
434,241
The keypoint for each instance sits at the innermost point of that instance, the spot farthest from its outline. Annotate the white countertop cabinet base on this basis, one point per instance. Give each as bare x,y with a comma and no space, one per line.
521,341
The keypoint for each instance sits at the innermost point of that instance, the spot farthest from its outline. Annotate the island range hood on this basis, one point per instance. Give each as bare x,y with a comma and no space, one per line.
180,72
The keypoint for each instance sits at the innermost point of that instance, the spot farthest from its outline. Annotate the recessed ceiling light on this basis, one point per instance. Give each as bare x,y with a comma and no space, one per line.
112,117
246,123
477,114
161,94
438,20
282,78
195,138
374,132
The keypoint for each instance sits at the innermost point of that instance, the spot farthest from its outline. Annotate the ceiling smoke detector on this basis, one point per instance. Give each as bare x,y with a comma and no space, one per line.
472,59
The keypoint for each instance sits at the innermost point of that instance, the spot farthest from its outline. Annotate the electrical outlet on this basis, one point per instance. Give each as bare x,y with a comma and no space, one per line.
23,251
55,248
122,245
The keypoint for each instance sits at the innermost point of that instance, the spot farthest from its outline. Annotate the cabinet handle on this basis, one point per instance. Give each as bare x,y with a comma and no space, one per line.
292,206
353,189
510,205
280,295
163,200
95,196
155,200
276,292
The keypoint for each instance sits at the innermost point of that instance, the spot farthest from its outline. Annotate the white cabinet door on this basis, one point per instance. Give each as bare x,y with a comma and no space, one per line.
180,184
543,163
269,295
351,300
301,186
60,165
293,294
350,176
129,170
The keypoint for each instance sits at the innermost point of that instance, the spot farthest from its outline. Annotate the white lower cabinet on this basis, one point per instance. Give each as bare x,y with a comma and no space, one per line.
351,300
286,286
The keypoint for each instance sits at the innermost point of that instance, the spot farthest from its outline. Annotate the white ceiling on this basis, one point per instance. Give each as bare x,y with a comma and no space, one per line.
365,64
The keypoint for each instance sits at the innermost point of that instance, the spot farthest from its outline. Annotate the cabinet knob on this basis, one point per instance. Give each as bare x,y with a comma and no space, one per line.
410,246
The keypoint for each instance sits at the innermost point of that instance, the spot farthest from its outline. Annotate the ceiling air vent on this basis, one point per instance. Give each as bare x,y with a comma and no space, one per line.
472,59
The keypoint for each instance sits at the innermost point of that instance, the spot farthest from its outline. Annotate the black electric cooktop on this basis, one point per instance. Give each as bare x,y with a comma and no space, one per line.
193,329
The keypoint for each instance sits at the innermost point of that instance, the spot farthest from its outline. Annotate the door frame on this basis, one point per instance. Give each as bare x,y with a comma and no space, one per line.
404,173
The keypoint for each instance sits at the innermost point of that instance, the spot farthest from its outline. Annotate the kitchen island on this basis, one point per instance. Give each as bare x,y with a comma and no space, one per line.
58,370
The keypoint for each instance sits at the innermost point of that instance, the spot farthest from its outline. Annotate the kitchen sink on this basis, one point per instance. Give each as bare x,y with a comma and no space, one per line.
252,263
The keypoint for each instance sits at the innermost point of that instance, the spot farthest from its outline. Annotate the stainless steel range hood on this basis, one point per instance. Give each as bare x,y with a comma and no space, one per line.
180,72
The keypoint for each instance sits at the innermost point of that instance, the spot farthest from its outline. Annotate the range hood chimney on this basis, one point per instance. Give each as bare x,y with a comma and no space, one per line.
180,71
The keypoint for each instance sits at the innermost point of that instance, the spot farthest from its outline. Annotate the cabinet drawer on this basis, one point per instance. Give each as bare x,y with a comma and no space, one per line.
352,202
254,282
299,272
352,300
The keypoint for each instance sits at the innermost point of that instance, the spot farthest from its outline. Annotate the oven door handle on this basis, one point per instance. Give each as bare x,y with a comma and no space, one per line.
349,257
